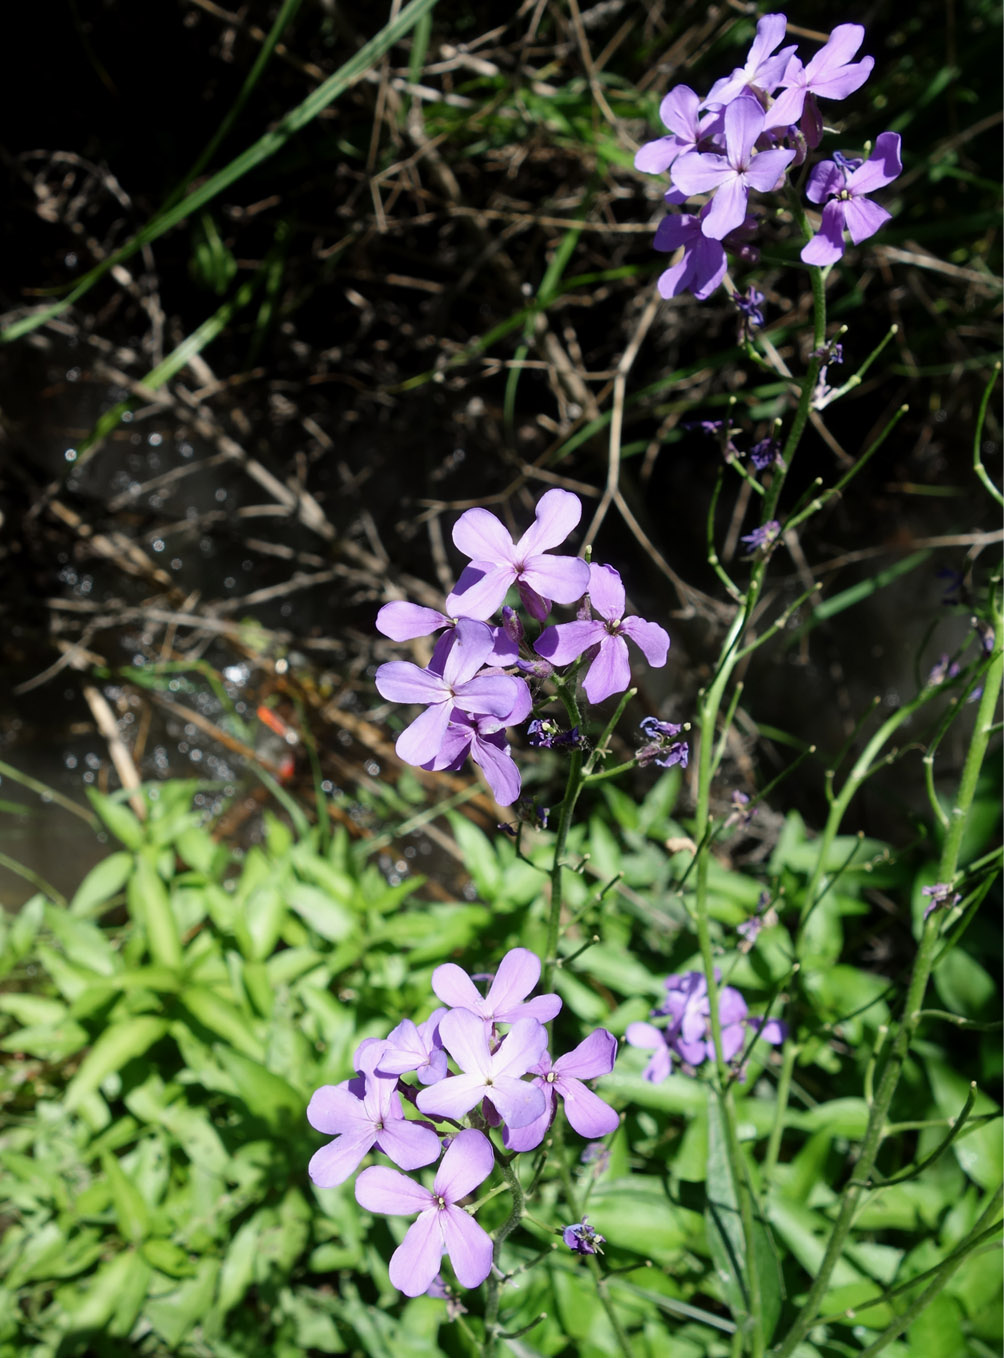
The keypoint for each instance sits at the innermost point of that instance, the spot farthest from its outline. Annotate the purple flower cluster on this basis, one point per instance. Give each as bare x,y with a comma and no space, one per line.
470,690
687,1035
743,137
366,1113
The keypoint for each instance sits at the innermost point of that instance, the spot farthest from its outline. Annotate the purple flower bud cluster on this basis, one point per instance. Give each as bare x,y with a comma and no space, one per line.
489,1082
744,136
687,1034
469,692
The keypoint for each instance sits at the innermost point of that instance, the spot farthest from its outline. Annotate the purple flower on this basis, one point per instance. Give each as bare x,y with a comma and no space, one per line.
417,1047
763,537
459,685
848,204
442,1227
750,305
702,265
941,897
653,1039
610,671
583,1238
483,738
518,973
829,75
679,113
766,453
663,748
363,1113
487,1074
587,1113
546,734
496,563
688,1035
732,175
946,668
762,72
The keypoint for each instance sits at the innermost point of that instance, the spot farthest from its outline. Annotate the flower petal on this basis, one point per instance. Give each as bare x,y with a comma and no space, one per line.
519,1050
587,1112
416,1261
651,639
481,590
828,242
728,208
468,1245
420,742
610,672
518,1101
499,769
529,1137
483,537
383,1190
881,168
557,513
454,987
409,1144
402,621
463,1035
863,218
453,1097
399,681
333,1163
472,645
466,1164
565,642
595,1055
606,592
334,1108
563,579
517,974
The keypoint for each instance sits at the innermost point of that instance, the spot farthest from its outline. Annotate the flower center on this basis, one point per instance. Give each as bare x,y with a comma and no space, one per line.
440,1202
550,1077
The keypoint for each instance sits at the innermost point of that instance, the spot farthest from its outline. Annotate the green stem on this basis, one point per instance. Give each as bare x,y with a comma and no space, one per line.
494,1279
912,1009
573,786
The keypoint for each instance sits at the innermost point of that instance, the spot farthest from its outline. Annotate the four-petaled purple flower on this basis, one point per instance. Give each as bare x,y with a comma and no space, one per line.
486,1074
497,564
702,265
732,175
415,1046
459,685
762,72
586,1111
679,112
360,1114
688,1035
829,75
581,1238
848,205
442,1227
610,670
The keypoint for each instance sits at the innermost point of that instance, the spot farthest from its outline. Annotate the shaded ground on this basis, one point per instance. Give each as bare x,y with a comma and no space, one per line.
448,265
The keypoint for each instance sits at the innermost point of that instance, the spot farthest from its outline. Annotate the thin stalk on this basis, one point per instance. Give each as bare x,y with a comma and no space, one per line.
573,786
494,1279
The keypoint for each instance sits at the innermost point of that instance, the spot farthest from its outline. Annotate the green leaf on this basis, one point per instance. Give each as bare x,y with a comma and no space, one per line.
266,1094
176,1313
105,880
321,912
723,1222
166,1256
151,906
636,1214
115,1047
130,1209
237,1272
964,987
123,824
222,1018
479,856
